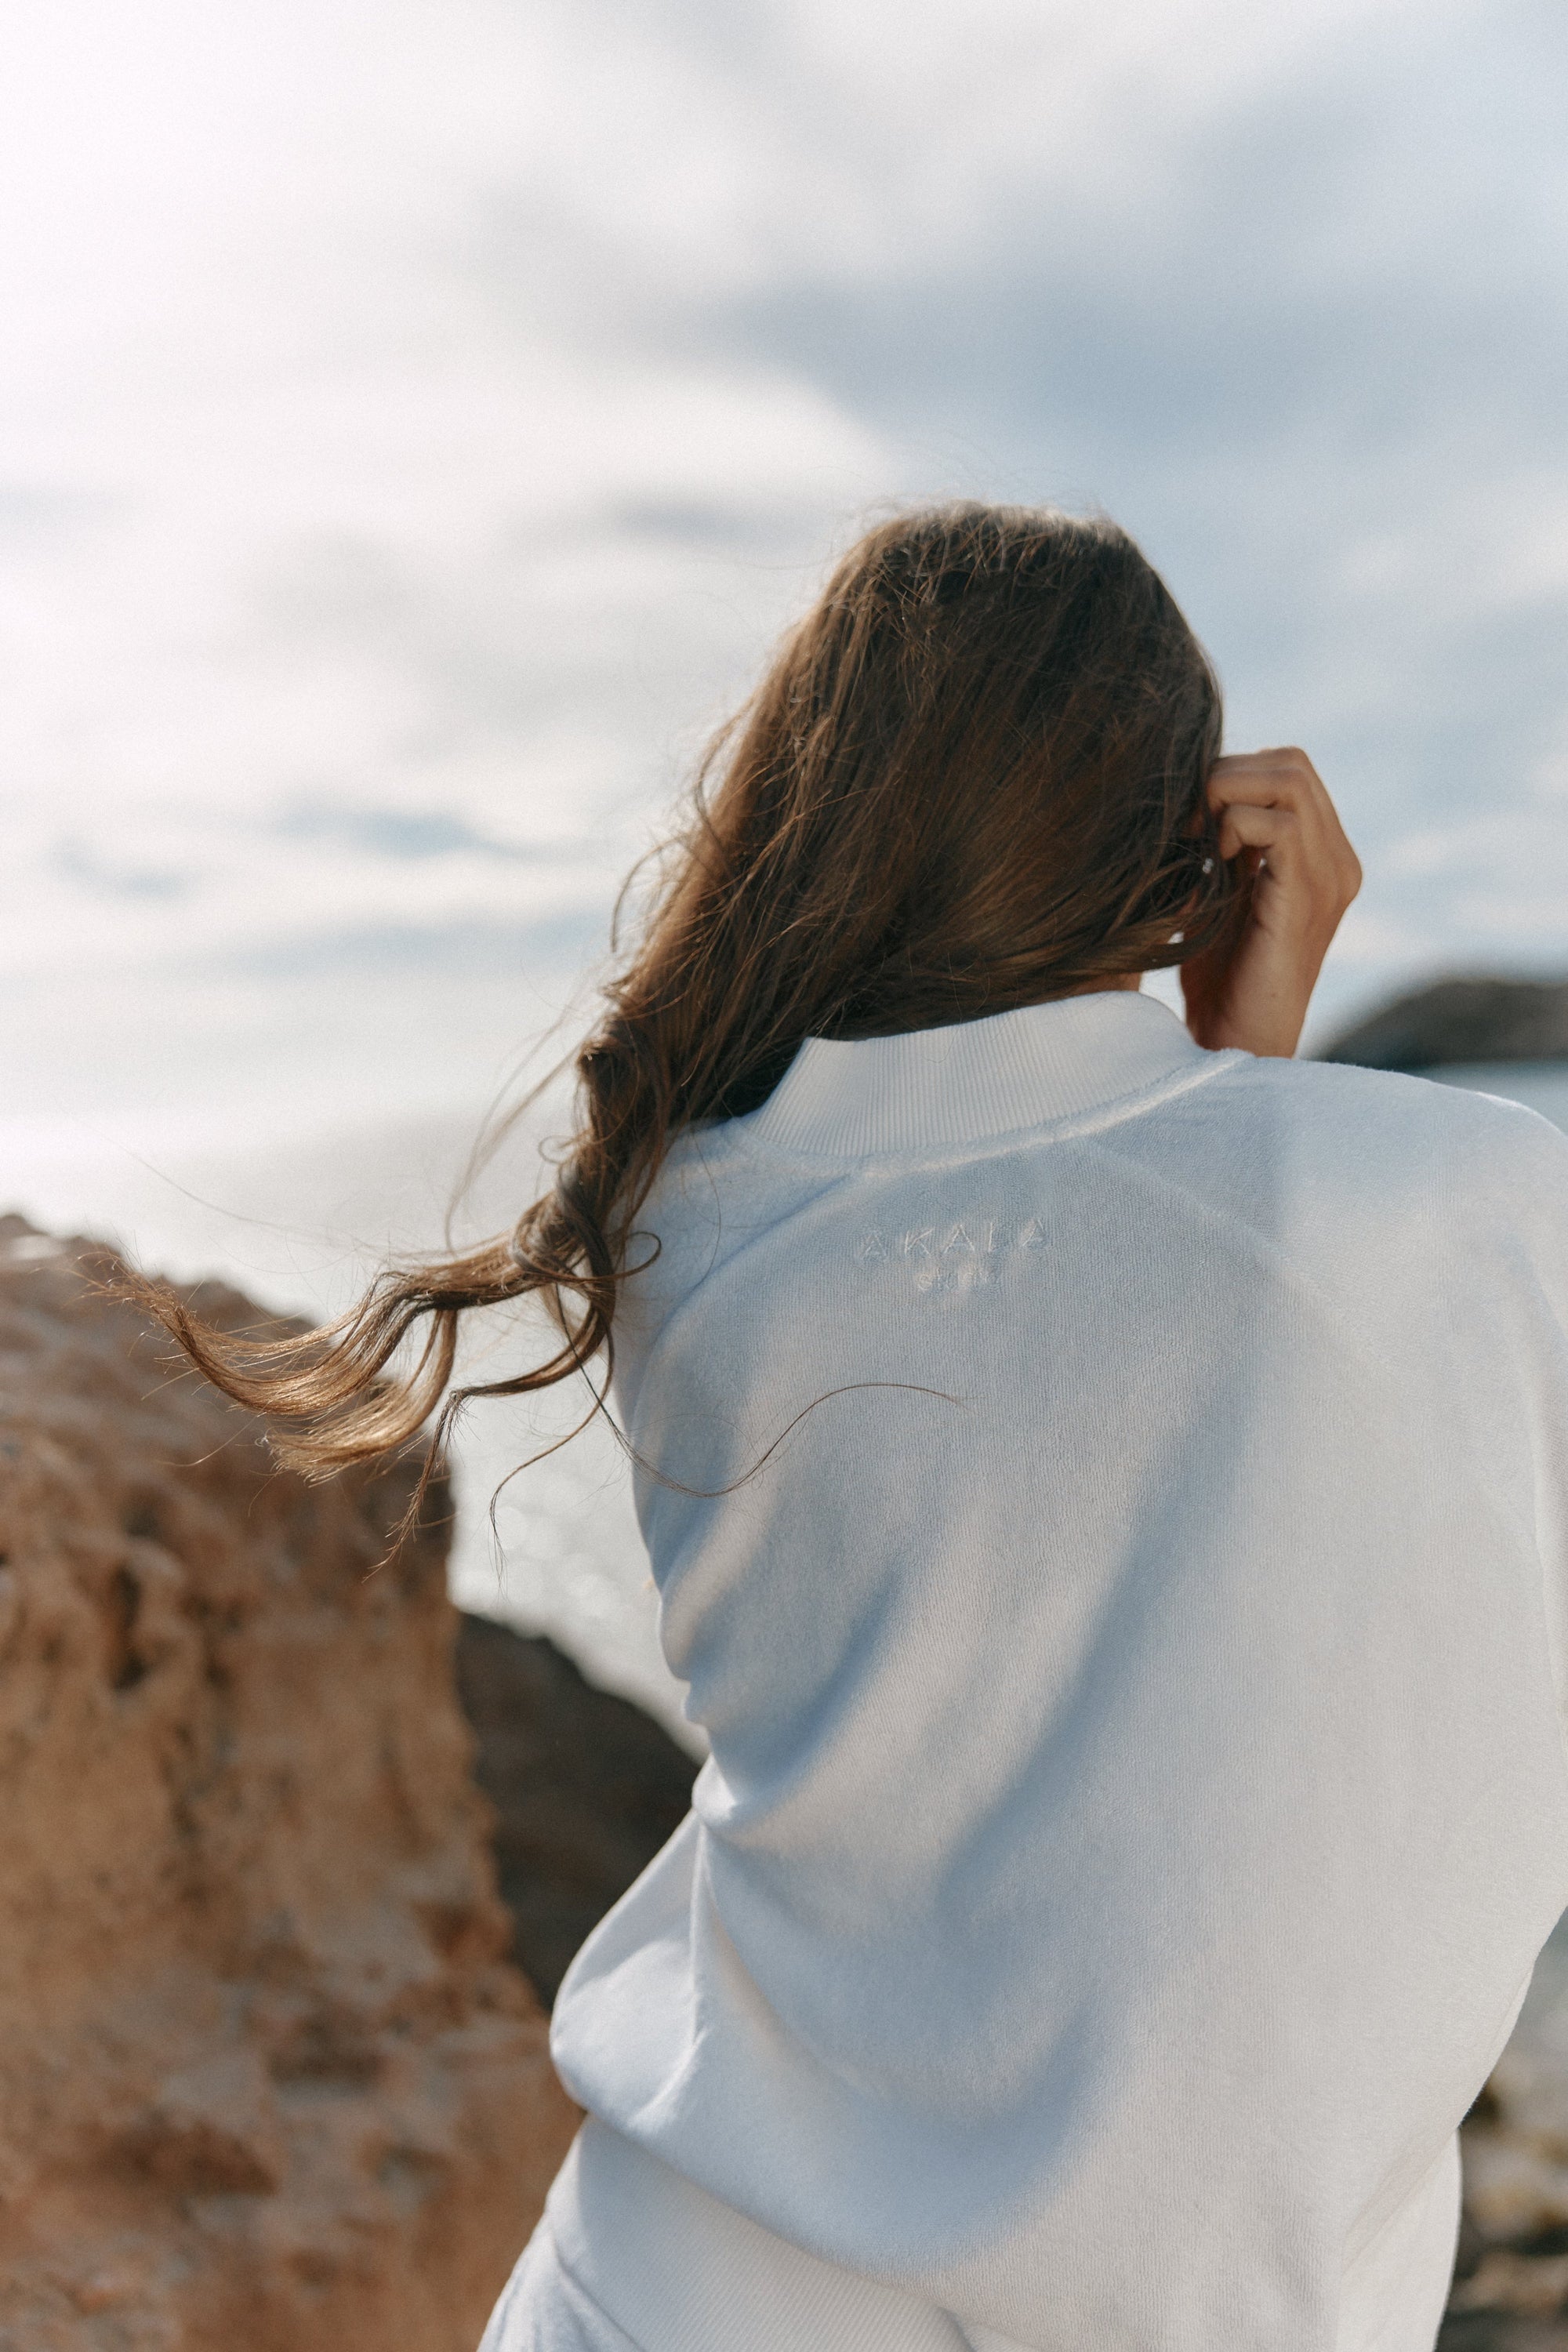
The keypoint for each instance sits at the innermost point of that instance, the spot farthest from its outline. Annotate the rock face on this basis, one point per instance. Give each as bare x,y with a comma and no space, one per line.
268,2082
1511,2291
585,1787
1461,1021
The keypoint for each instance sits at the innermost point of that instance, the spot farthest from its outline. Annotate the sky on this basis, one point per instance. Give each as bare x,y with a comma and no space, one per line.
417,418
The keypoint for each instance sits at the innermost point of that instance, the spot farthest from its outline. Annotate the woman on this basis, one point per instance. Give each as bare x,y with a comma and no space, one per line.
1106,1485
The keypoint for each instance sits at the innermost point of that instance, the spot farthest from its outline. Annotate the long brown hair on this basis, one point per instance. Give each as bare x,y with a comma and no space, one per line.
971,779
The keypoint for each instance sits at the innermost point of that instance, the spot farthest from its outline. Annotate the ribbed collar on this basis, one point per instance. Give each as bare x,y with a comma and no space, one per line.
955,1085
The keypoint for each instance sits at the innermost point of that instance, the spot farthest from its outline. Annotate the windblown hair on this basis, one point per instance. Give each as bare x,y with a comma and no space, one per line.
973,778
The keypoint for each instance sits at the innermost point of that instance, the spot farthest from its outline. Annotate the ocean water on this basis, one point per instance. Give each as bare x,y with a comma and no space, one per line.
299,1219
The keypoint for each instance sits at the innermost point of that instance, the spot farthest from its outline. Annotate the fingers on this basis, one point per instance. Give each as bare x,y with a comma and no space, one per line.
1285,777
1276,802
1275,830
1274,816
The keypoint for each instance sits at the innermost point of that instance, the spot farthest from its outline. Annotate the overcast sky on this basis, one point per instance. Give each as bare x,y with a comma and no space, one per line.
417,416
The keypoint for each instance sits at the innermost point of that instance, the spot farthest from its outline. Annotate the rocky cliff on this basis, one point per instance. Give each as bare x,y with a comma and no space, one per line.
1461,1021
1512,2292
585,1789
267,2081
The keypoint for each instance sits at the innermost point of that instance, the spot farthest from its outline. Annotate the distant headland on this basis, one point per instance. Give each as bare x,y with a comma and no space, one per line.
1476,1020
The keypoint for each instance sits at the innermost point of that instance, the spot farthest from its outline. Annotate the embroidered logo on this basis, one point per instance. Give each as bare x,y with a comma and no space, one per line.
959,1254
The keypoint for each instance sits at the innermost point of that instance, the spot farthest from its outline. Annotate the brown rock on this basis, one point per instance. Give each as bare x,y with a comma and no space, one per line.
585,1788
1454,1021
268,2083
1510,2292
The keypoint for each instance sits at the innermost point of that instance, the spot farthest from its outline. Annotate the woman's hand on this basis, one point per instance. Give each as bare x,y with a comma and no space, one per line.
1252,989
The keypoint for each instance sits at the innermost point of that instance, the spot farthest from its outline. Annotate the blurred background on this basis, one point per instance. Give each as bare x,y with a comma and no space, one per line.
417,419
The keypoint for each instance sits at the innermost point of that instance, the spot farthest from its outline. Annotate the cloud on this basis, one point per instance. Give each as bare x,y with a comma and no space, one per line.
417,835
77,864
451,949
419,419
1298,327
